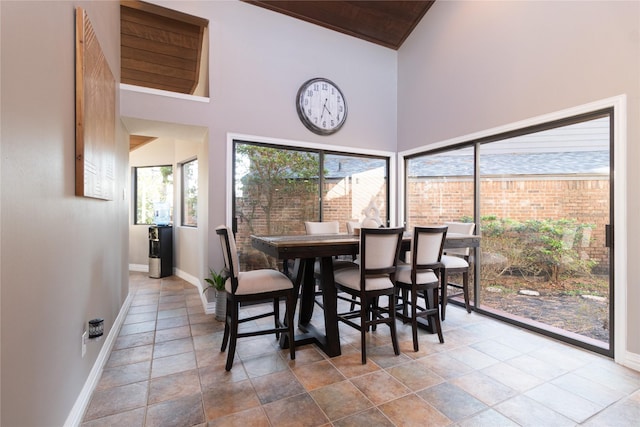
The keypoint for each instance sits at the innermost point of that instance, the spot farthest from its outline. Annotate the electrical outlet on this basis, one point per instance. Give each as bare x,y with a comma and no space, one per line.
84,343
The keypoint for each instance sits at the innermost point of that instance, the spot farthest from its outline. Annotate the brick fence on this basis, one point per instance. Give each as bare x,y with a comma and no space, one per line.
434,201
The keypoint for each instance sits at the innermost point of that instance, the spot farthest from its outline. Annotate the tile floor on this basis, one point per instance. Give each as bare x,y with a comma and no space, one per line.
166,369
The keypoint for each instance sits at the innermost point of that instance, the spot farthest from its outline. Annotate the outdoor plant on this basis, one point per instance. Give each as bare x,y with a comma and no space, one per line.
216,280
548,248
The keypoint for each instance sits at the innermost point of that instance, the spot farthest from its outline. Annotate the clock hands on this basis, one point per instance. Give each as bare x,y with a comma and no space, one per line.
324,108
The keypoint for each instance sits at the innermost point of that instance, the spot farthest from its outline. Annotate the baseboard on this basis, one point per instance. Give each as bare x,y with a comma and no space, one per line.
143,268
77,412
209,306
631,361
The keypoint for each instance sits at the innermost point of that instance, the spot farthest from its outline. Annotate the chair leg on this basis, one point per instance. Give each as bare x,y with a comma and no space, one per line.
276,315
392,323
465,289
233,335
291,306
405,296
414,317
445,285
225,337
364,327
436,318
375,313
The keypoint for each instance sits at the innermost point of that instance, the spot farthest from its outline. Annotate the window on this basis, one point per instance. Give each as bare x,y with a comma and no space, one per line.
190,193
153,192
277,188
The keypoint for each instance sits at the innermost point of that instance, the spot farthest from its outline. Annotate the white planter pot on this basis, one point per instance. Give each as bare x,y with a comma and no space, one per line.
221,305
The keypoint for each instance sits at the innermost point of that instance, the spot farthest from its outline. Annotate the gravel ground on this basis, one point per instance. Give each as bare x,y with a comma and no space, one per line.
571,313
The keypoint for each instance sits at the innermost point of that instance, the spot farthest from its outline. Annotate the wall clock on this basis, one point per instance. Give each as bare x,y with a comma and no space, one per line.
321,106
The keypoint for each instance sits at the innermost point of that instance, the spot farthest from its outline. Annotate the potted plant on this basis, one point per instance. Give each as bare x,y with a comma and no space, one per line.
216,281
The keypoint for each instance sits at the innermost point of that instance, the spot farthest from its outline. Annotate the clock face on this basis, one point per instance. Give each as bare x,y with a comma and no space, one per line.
321,106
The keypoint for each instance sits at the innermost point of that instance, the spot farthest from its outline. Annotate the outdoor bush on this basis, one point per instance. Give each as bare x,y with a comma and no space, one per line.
548,248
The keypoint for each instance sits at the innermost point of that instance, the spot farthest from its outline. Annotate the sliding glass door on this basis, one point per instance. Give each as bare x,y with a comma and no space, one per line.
541,199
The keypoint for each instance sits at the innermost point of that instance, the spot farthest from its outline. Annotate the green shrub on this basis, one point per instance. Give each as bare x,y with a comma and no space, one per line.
547,248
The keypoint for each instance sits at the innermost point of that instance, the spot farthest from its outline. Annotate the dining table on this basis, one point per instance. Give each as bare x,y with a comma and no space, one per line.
305,250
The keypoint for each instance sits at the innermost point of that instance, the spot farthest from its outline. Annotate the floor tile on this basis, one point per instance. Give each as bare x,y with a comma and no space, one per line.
484,388
166,368
529,413
117,399
455,403
512,377
276,386
564,402
623,414
234,397
133,418
318,374
185,411
174,386
487,418
339,400
410,410
295,411
380,387
370,417
129,355
254,417
173,364
587,389
415,375
124,374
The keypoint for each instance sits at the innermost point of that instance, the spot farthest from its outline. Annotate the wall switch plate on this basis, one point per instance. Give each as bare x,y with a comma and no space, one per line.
84,343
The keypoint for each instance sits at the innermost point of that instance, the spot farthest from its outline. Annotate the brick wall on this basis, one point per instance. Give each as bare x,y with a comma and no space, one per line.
437,201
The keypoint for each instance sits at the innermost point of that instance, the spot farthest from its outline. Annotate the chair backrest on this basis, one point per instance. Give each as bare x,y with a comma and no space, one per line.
352,225
229,253
325,227
426,248
379,250
460,228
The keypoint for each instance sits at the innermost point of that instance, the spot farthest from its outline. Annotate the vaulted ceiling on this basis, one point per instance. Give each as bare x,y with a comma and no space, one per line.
387,23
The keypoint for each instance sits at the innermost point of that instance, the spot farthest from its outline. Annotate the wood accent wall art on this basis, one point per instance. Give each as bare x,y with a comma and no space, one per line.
95,115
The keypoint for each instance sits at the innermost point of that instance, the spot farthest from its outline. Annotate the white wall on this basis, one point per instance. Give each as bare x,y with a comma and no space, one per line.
64,258
258,60
471,66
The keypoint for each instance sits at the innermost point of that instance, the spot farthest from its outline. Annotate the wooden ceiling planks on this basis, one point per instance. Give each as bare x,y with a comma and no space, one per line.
387,23
137,141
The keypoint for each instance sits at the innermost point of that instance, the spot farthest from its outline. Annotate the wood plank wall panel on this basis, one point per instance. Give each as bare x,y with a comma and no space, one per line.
95,115
160,48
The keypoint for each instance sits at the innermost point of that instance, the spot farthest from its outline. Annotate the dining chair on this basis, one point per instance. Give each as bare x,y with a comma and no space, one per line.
327,227
372,278
456,261
420,276
253,286
353,226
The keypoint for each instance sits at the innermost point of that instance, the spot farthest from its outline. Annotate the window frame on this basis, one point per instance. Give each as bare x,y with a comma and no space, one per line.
135,191
184,192
392,178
